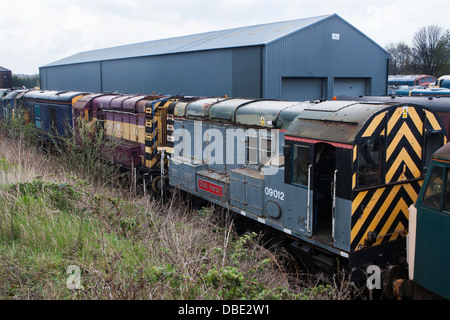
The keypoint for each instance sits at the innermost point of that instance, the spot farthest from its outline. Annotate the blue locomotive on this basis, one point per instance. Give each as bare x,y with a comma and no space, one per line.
335,178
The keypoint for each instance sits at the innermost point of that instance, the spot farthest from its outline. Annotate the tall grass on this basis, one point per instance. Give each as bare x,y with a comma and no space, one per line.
88,152
53,217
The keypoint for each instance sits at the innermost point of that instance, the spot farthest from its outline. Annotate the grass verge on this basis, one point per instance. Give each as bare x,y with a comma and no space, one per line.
64,237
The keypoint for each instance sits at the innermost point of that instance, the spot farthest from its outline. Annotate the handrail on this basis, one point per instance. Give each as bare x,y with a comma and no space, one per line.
308,227
334,203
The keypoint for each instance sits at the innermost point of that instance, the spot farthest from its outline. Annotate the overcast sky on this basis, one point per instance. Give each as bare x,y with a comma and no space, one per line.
34,33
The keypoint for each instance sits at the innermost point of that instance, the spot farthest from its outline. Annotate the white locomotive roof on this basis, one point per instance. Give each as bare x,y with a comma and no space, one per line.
338,121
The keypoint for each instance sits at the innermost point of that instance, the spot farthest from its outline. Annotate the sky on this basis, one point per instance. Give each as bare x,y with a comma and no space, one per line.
34,33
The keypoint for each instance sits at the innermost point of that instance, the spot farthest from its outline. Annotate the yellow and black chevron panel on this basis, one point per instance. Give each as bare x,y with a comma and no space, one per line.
157,130
151,122
432,124
382,211
405,129
376,126
166,126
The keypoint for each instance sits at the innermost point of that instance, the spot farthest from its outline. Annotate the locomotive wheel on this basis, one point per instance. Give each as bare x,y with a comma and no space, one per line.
392,274
156,184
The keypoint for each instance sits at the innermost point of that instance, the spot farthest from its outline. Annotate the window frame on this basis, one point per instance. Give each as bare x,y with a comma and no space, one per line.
264,155
254,147
443,187
446,189
309,162
53,119
426,153
380,165
37,116
260,153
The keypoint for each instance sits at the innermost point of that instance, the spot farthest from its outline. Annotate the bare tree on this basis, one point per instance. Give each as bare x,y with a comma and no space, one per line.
400,58
445,67
430,49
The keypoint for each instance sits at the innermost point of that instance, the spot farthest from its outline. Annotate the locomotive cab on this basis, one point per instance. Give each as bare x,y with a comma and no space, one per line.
429,226
13,104
362,167
85,113
51,111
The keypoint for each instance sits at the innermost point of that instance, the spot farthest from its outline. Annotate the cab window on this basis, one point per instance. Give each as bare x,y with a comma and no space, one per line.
433,192
265,143
432,143
251,144
300,164
53,123
447,192
370,152
258,146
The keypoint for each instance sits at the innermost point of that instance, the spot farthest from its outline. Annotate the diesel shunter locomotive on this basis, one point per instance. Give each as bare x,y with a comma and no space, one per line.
336,177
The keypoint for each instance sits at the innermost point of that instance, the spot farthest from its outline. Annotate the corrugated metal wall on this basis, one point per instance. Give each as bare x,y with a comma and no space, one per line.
233,72
313,53
246,78
321,55
75,77
198,73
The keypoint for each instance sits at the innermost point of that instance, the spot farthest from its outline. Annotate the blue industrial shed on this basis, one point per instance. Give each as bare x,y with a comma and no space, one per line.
310,58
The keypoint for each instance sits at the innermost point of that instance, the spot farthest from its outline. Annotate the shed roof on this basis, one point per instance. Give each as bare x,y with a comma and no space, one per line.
237,37
3,69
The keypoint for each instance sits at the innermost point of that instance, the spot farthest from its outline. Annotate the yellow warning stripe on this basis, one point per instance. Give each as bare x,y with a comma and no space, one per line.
151,163
367,210
396,116
410,190
404,131
402,156
359,198
401,207
355,154
354,181
380,214
412,113
373,125
433,121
